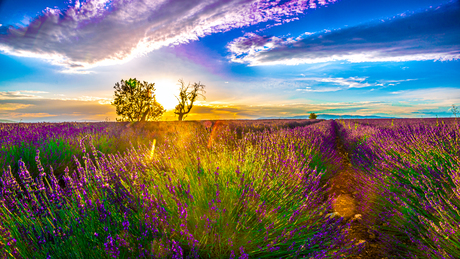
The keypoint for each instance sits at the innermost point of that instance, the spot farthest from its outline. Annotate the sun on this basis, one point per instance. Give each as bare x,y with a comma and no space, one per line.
165,93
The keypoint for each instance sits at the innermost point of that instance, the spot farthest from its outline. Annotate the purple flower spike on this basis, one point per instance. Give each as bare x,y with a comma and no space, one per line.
110,248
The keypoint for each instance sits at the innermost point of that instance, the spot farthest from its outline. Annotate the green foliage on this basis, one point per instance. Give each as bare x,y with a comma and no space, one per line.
312,116
135,101
55,151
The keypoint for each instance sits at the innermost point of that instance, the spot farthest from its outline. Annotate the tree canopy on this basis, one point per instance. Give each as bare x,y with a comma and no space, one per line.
187,97
135,101
313,116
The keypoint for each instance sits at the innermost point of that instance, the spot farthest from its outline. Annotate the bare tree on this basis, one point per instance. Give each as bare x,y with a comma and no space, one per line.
187,97
454,110
135,101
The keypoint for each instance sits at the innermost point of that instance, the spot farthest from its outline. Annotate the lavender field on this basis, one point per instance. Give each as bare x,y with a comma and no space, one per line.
230,189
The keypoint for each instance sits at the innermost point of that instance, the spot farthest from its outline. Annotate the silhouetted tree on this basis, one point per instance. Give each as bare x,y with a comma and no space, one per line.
135,101
454,110
187,97
312,116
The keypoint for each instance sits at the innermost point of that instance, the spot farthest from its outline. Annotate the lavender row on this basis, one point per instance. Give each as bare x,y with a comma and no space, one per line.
199,192
416,167
59,142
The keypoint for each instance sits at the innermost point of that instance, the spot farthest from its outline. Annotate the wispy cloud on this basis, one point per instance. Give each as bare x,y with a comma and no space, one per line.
33,92
17,115
32,95
352,82
75,110
365,108
55,109
341,83
10,95
85,98
442,96
101,32
320,90
385,82
428,35
13,106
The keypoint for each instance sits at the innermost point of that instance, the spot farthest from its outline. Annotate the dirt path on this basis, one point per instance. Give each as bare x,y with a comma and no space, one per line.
353,198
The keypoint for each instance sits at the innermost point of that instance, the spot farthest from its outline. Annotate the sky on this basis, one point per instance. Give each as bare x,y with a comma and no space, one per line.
60,60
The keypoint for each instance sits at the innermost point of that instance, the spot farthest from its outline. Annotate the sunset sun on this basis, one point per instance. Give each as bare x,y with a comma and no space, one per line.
166,92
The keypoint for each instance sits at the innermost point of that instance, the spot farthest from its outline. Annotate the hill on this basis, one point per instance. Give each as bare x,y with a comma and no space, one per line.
329,117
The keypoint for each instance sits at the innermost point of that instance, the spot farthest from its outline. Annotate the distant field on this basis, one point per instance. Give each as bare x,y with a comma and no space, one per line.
228,189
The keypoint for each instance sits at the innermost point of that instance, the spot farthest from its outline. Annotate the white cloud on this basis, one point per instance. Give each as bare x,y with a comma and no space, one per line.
407,38
103,32
320,90
342,83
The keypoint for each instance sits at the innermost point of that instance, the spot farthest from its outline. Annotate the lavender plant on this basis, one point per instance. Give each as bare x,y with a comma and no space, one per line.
197,193
417,167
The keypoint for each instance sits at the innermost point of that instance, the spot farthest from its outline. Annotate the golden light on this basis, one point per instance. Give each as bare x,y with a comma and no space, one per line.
165,91
152,151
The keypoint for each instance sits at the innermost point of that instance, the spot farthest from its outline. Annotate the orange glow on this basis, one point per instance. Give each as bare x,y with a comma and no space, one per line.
218,125
152,151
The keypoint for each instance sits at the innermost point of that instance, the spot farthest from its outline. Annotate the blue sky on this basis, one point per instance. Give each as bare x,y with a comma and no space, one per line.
257,58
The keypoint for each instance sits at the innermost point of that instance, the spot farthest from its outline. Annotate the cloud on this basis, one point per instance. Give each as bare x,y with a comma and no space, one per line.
102,32
24,94
34,115
442,96
13,106
320,90
352,82
85,98
30,95
56,110
251,44
407,104
364,108
344,83
33,92
428,35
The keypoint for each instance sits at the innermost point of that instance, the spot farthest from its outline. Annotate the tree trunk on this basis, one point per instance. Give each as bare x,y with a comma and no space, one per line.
181,116
145,114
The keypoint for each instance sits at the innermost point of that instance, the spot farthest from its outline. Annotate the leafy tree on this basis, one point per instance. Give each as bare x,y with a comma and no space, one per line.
187,97
313,116
135,101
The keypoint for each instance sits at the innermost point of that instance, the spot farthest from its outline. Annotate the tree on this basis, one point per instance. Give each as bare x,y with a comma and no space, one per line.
313,116
135,101
454,110
187,97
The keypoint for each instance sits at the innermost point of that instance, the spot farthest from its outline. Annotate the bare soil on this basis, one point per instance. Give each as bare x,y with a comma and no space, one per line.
353,196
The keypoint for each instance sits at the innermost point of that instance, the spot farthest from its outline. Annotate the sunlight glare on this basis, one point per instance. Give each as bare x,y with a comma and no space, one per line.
152,151
165,92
